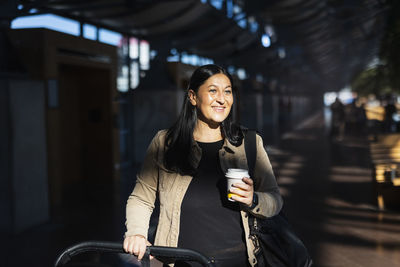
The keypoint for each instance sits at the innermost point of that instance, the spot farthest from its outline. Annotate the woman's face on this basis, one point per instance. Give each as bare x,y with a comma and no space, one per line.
213,99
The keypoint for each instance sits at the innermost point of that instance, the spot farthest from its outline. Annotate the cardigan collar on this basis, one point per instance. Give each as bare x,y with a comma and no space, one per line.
226,147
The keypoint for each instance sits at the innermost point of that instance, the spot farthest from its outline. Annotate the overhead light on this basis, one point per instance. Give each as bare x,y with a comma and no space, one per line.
269,29
259,78
241,73
265,40
281,52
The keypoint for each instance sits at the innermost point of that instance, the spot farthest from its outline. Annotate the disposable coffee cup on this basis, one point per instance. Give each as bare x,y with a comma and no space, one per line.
234,176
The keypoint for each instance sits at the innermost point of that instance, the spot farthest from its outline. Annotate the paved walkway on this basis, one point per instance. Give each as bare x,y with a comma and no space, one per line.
329,198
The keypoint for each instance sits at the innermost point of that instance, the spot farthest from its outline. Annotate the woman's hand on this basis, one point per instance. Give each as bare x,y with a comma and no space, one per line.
243,192
136,245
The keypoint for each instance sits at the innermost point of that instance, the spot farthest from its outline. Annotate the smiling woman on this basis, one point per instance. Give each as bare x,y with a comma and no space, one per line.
213,101
185,167
208,114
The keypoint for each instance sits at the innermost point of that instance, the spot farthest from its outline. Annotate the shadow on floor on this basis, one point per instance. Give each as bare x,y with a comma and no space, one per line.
328,197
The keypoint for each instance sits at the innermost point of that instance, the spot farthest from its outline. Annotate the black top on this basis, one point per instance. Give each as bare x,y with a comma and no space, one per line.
210,223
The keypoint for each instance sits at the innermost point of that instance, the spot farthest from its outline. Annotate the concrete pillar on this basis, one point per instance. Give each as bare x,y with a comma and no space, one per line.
5,160
23,155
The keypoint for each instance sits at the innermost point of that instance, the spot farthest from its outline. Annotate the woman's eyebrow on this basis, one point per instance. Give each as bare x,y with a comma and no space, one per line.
228,86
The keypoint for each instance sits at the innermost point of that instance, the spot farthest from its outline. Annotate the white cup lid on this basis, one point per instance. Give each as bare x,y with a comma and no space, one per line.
237,173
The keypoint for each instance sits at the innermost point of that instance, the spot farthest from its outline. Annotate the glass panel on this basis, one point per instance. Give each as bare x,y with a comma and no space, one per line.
133,48
122,80
134,74
110,37
216,3
89,31
47,21
144,55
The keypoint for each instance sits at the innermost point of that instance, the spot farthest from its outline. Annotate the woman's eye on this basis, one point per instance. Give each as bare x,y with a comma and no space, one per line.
213,91
228,92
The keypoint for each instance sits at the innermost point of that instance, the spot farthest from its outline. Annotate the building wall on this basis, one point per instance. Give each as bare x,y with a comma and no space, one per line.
5,160
24,173
79,78
30,185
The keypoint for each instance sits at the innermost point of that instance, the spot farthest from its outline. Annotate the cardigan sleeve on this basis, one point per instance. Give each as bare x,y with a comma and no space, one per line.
270,201
140,203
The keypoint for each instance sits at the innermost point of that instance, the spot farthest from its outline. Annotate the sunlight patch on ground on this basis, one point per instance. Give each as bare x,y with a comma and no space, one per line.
310,122
348,229
350,170
284,191
339,203
340,178
293,135
285,180
287,172
273,150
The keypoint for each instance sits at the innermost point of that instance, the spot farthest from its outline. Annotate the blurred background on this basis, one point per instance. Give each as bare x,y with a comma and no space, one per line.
85,85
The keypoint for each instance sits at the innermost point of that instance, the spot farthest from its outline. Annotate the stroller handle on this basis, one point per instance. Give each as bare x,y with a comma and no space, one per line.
115,247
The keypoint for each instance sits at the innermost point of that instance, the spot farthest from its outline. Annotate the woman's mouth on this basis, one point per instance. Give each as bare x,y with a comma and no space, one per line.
219,109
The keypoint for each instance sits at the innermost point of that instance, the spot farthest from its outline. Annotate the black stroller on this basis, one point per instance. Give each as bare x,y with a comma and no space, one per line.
165,253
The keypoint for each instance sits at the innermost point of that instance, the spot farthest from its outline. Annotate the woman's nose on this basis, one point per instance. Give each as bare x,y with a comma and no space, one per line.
220,98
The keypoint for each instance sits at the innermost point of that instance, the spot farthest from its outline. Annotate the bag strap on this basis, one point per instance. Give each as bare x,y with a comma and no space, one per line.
250,147
251,150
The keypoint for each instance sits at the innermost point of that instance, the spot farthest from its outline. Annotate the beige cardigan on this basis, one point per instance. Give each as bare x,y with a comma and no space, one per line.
171,188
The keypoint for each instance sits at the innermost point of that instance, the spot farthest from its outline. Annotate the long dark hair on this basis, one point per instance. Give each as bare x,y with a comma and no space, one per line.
179,140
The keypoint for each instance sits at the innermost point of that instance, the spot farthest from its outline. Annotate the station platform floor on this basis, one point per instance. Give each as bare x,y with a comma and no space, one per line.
328,193
329,198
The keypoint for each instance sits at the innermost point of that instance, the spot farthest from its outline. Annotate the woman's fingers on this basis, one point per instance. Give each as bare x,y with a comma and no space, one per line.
246,186
136,245
243,191
141,250
125,245
128,244
136,248
248,181
242,199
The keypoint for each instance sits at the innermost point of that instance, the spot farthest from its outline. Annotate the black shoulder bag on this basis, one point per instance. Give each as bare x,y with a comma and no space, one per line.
276,243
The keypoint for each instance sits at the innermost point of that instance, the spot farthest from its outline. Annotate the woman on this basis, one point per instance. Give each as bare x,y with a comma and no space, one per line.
185,167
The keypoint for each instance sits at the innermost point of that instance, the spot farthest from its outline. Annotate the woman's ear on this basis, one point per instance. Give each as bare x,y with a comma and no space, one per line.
192,97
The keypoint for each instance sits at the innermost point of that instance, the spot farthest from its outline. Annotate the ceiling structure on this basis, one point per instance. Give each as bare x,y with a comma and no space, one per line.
317,45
